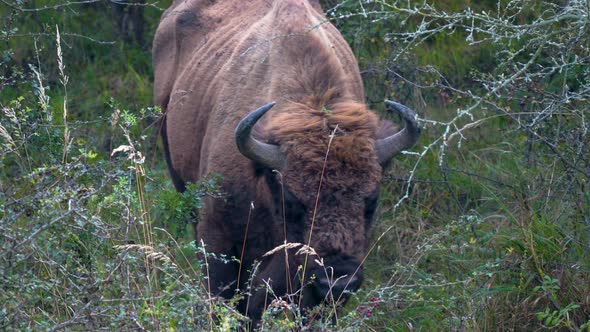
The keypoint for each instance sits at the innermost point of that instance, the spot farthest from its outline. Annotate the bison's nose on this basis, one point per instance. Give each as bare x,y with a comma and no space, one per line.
336,287
333,280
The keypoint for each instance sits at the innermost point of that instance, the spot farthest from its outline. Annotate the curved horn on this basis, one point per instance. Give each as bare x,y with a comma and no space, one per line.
390,146
267,154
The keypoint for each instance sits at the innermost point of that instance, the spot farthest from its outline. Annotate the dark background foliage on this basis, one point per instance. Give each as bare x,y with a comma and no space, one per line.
485,225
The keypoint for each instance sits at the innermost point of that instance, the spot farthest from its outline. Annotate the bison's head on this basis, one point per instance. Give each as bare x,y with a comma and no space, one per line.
325,185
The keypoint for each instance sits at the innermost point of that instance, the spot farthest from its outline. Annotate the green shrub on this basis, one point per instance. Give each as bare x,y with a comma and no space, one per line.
484,226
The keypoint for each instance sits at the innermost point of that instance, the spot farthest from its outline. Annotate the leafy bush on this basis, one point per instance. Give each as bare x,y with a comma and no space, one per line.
484,226
495,204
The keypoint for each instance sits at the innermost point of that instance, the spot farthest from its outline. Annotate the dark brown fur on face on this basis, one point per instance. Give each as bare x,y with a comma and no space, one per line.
214,63
338,144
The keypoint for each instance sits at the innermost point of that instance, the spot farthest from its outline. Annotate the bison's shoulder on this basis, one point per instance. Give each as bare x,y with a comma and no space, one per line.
182,28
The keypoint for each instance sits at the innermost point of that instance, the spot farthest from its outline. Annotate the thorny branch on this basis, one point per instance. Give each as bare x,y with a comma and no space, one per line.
19,5
545,48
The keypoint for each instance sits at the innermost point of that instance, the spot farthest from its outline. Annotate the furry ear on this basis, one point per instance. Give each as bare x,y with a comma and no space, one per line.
386,128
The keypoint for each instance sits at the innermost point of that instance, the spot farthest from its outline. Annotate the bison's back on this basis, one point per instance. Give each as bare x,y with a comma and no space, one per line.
214,62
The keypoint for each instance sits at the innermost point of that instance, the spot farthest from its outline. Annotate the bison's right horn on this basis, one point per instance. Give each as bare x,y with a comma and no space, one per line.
267,154
402,140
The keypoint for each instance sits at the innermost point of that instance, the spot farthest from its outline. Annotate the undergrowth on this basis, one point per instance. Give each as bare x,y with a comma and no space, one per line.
484,226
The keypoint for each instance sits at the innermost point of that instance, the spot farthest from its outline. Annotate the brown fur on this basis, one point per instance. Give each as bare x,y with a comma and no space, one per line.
215,62
304,135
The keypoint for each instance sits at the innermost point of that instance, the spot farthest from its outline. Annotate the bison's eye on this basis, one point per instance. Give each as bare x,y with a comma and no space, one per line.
294,209
371,206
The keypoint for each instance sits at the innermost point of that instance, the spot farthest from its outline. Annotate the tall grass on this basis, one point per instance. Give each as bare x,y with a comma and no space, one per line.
483,226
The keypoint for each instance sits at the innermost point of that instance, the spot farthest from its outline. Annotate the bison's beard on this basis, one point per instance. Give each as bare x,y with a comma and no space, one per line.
273,286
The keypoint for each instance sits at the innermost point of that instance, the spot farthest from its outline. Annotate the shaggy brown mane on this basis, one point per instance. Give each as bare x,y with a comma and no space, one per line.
323,100
300,119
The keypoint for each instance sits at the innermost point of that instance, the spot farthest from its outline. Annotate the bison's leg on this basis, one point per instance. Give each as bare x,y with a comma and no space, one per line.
273,272
217,255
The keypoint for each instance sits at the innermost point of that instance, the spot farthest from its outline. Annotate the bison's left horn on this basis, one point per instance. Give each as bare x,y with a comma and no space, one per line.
267,154
402,140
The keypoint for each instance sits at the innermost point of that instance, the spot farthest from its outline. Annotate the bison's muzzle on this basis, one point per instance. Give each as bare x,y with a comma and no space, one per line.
334,281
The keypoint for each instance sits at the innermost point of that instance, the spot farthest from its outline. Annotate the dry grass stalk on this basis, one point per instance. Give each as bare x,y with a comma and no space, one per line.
303,250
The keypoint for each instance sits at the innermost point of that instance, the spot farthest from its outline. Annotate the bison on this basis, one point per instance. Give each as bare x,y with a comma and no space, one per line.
268,94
